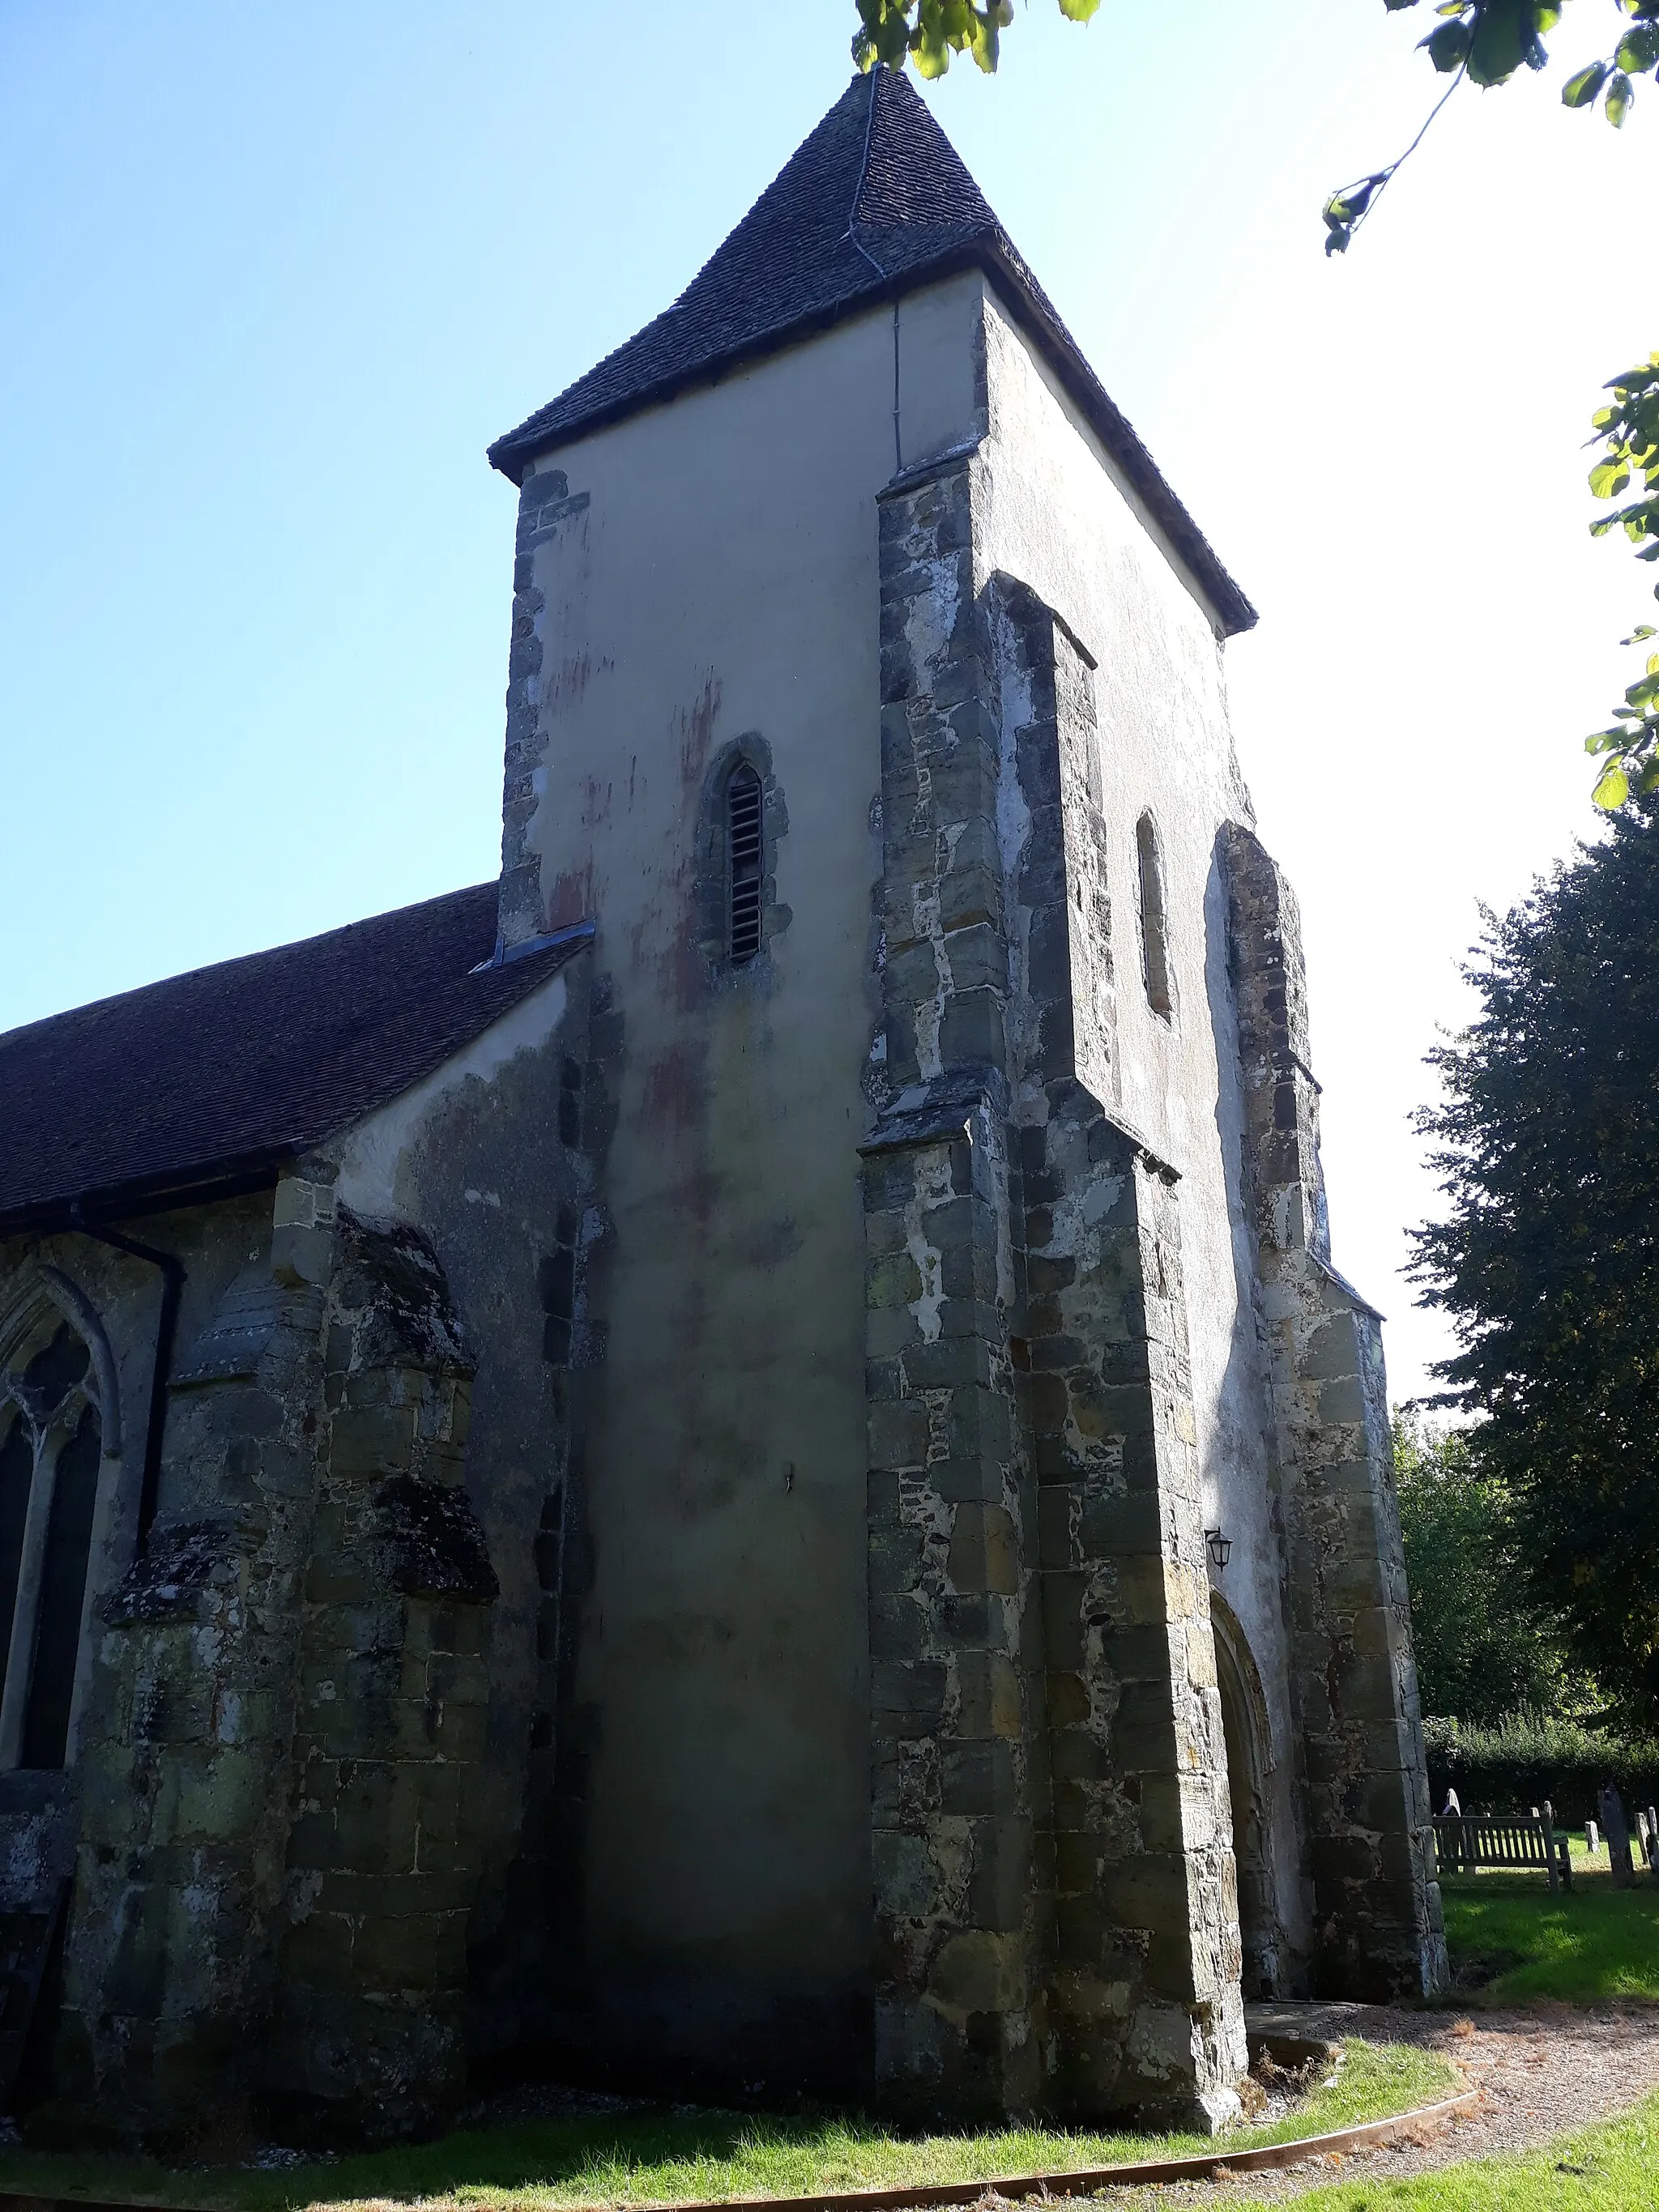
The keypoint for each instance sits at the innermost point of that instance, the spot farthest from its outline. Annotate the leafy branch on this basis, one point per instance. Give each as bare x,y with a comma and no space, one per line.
1486,41
928,31
1628,432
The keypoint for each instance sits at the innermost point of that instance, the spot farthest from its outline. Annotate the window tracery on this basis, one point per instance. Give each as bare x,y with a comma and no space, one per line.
52,1428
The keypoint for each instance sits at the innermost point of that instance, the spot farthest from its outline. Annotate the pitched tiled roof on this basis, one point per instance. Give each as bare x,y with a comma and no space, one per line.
875,202
232,1069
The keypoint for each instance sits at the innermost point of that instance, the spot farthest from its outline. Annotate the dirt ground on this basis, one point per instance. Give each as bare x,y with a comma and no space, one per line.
1542,2073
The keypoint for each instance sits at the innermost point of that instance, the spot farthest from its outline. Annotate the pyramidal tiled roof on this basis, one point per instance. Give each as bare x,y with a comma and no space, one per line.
874,203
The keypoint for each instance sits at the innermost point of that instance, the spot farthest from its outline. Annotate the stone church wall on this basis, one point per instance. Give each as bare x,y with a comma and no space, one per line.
1057,1925
1378,1917
500,1159
684,1541
305,1752
1055,513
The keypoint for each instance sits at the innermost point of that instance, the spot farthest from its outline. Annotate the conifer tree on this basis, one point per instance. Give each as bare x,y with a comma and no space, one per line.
1547,1148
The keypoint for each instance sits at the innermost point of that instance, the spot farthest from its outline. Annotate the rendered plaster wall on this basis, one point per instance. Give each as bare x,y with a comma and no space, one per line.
1053,513
701,575
492,1158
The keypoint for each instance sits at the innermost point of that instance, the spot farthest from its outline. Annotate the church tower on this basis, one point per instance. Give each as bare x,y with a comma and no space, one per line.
983,1648
735,1461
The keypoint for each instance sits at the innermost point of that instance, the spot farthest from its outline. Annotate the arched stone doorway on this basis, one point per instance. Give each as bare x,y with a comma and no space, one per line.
1249,1763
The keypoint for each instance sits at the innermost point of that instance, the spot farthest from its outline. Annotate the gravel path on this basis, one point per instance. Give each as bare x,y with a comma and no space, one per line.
1543,2072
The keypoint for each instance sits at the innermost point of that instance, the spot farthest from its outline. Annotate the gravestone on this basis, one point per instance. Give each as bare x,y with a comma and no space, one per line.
1611,1807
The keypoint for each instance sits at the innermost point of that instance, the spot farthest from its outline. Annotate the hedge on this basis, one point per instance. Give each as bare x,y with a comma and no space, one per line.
1528,1757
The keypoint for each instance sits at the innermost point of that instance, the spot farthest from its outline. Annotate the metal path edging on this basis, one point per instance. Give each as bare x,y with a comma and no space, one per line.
1080,2181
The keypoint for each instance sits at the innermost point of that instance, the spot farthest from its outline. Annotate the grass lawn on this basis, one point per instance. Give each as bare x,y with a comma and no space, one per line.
1596,1941
662,2155
1613,2167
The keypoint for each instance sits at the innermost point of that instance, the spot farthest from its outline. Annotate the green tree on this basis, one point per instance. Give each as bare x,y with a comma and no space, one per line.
1547,1149
928,31
1485,1648
1486,42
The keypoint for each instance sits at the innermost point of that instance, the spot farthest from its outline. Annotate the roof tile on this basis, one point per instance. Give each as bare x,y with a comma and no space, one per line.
874,202
232,1067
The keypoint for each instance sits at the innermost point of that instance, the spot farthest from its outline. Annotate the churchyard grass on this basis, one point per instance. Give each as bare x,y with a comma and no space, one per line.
1613,2167
1581,1947
662,2155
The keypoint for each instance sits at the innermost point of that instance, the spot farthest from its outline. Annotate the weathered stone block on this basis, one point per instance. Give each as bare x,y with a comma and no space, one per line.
375,1440
898,1431
984,1553
978,1778
909,1698
988,1696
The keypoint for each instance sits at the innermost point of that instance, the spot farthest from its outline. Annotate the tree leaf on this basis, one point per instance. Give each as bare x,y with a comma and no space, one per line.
1580,89
1608,478
1502,41
1612,790
1616,106
1079,11
1449,46
1638,50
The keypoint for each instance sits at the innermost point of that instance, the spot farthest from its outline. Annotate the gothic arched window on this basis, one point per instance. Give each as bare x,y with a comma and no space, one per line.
744,865
51,1454
736,911
1154,926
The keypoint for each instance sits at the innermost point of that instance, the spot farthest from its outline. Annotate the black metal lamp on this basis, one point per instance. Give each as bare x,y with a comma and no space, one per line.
1221,1546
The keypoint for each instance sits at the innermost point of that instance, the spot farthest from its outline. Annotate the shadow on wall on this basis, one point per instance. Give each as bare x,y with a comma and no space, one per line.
1246,1731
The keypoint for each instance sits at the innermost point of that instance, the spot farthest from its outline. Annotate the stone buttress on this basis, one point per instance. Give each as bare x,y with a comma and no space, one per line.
273,1883
1378,1930
1057,1917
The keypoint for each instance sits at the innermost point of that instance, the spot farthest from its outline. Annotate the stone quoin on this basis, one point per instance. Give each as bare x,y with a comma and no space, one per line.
737,1460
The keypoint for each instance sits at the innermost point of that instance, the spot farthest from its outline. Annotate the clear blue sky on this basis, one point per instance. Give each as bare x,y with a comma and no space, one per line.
272,275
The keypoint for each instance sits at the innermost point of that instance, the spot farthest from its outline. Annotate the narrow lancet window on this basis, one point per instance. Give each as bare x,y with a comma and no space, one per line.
1154,932
62,1590
744,858
16,1478
50,1452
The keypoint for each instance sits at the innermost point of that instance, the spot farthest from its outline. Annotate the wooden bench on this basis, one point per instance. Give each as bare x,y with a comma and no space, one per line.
1464,1842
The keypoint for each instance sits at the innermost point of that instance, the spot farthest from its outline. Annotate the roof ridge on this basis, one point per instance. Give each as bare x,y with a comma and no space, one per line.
864,175
242,959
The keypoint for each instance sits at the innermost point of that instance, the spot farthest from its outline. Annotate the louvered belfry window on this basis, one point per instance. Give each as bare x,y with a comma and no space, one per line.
743,821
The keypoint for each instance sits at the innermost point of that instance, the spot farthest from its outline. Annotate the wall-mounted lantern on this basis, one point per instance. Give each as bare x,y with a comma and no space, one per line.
1221,1547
